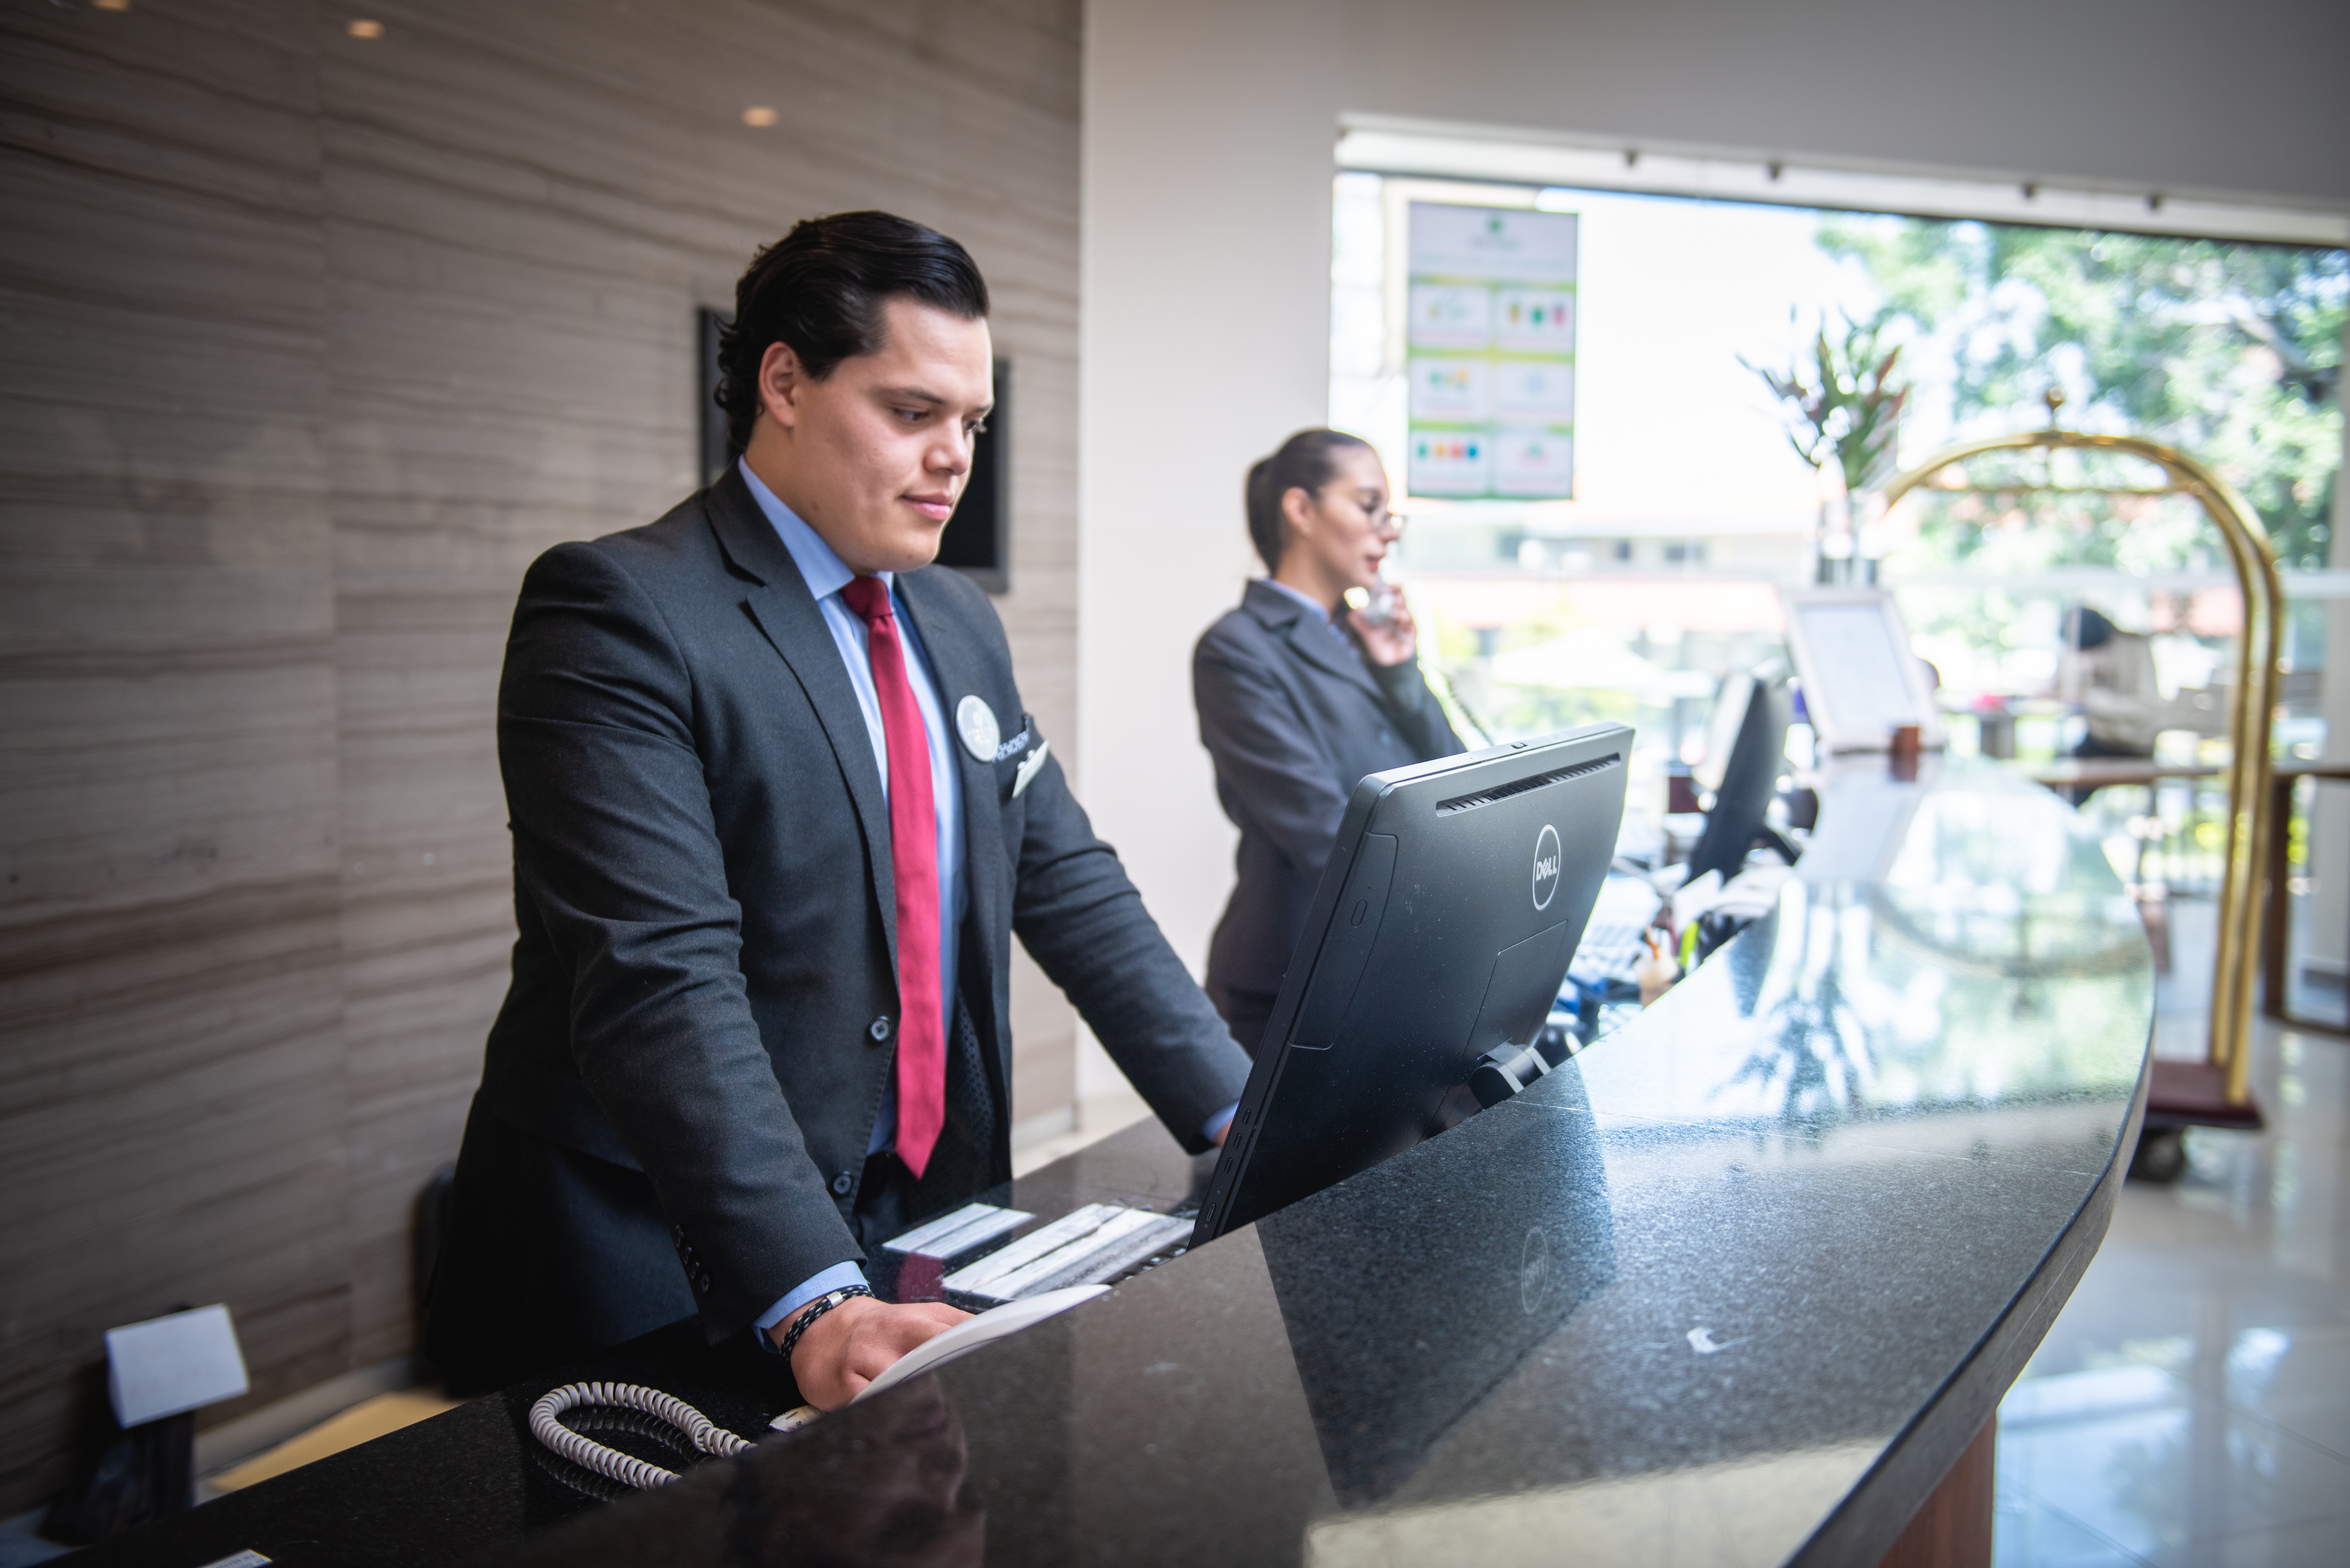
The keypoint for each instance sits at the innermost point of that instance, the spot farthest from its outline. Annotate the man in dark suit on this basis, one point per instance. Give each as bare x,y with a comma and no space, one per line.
777,812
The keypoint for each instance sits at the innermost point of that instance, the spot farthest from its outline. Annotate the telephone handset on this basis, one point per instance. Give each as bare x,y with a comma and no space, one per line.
702,1432
1378,604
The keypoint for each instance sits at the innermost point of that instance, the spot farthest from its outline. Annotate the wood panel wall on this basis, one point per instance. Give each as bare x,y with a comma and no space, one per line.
309,344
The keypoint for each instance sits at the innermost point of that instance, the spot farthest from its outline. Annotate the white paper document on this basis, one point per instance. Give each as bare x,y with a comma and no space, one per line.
975,1333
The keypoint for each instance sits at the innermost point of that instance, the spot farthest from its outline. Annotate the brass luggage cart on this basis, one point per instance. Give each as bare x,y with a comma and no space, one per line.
2216,1091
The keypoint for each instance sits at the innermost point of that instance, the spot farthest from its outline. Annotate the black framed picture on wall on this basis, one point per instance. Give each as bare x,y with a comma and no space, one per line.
977,541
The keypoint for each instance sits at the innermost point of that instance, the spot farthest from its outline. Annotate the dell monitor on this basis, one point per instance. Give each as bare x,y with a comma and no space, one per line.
1439,936
1745,751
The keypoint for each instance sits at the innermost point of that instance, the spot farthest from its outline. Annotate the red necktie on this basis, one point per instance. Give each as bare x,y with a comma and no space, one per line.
914,855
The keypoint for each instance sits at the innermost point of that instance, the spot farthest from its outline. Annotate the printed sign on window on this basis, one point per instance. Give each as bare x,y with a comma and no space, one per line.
1490,352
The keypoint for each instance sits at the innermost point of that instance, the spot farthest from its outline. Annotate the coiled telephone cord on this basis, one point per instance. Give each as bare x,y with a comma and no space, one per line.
547,1426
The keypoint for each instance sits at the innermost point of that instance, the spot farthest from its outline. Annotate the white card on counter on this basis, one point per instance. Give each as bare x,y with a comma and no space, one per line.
168,1365
960,1232
972,1333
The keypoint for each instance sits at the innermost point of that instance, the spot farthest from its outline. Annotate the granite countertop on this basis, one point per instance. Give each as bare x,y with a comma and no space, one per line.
1736,1285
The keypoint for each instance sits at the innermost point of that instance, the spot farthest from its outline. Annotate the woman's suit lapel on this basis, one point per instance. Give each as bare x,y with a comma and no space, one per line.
1309,636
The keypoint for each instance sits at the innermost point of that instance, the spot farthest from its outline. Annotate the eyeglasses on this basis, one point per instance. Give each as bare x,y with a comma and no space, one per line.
1384,522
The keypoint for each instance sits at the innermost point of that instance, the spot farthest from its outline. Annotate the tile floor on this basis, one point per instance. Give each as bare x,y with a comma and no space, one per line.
2192,1403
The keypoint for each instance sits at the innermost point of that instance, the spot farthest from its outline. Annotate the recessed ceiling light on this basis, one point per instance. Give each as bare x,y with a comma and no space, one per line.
759,114
110,4
366,29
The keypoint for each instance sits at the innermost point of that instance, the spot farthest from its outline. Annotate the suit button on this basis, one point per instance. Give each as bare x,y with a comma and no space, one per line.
879,1028
842,1183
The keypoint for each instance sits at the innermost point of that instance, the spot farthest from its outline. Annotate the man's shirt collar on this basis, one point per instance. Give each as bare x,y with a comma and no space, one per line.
826,572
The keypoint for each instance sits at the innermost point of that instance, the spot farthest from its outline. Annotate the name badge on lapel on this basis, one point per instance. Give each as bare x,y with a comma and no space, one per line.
975,722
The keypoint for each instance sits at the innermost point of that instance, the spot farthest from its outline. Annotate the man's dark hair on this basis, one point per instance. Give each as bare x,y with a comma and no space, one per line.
821,287
1306,460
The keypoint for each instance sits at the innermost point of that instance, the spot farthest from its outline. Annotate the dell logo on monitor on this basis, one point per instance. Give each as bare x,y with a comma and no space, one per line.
1546,866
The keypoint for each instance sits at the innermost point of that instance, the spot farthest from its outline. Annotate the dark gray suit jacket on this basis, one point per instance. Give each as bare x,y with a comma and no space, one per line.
703,985
1293,718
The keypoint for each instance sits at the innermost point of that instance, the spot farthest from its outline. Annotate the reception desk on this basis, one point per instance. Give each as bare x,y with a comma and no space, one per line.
1743,1283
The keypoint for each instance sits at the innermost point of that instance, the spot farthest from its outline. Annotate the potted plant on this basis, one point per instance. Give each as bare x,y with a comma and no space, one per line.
1842,415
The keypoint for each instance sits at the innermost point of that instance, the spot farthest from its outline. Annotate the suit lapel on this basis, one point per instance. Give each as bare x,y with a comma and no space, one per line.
786,614
1322,648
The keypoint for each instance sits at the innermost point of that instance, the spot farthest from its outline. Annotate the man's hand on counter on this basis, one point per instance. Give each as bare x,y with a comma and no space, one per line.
858,1341
861,1338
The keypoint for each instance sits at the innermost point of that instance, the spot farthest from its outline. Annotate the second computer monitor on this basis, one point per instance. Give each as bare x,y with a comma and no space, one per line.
1747,742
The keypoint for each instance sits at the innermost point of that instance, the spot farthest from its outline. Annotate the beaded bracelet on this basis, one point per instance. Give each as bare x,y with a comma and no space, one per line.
817,1309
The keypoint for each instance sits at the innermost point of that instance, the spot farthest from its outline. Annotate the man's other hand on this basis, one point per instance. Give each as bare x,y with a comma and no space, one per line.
858,1341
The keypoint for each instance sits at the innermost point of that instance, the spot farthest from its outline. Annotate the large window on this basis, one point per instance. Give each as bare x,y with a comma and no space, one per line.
1691,496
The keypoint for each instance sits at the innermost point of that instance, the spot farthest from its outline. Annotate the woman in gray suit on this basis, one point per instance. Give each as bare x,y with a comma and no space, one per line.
1299,697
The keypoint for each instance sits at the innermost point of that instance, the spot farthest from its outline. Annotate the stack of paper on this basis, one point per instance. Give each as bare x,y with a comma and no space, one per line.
1095,1243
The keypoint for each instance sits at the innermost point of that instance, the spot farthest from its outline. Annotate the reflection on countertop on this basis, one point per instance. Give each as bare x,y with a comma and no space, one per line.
1734,1286
887,1482
1679,1300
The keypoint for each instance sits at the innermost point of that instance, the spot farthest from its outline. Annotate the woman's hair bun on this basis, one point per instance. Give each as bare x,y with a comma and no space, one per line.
1307,462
